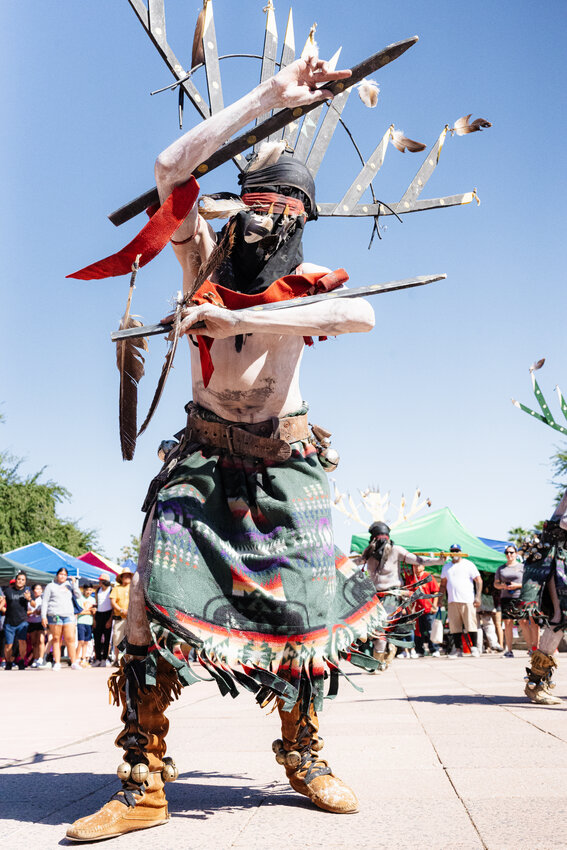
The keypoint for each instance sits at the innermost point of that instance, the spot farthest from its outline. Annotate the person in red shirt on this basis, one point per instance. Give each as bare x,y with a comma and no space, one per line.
427,610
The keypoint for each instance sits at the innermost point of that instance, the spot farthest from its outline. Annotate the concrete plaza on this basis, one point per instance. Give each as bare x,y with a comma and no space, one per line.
443,754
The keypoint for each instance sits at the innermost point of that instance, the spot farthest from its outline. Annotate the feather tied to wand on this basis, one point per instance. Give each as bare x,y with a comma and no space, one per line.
130,363
402,143
167,364
464,126
198,52
368,91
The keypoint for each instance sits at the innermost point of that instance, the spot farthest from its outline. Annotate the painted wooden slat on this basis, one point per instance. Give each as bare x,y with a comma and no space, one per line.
268,56
306,134
429,165
212,65
171,60
325,209
156,18
365,176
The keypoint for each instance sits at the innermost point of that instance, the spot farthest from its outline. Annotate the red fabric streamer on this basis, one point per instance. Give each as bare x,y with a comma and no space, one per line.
151,239
284,289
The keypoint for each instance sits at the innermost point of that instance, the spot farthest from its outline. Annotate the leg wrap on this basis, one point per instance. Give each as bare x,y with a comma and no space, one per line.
542,667
308,774
538,679
550,639
140,803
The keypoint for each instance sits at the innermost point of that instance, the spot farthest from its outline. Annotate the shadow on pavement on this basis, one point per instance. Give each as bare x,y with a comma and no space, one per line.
473,699
196,794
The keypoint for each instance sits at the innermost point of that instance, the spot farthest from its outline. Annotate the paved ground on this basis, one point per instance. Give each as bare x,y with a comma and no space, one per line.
442,753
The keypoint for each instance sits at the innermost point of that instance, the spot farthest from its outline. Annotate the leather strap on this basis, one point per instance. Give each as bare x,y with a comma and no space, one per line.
269,439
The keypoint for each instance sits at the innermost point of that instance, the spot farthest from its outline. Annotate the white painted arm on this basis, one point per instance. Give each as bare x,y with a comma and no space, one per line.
324,318
293,86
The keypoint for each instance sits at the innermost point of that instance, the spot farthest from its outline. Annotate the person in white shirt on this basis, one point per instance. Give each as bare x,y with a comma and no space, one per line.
462,583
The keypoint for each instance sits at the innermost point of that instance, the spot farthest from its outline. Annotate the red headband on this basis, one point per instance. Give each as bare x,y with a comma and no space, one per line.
262,201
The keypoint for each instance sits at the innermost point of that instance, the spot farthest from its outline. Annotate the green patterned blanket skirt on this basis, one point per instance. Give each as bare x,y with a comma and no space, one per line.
535,599
242,568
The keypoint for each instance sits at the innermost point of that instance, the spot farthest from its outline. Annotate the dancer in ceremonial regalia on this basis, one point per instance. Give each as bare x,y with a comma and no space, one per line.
544,588
384,562
237,554
237,558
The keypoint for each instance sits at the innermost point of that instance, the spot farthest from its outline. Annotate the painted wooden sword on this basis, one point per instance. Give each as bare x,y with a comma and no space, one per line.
359,292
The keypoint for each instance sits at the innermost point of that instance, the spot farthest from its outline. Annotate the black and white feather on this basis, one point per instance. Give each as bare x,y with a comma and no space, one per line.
221,205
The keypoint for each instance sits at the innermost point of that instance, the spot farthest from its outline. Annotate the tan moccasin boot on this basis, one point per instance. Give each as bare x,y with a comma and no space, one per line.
308,774
141,802
130,809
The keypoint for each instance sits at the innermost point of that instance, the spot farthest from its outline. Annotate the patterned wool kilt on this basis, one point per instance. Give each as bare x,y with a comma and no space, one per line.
535,599
242,569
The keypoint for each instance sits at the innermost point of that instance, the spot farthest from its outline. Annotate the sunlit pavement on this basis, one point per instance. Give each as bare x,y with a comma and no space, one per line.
443,754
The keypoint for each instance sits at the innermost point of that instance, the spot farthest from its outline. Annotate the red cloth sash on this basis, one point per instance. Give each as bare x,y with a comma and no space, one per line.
151,239
284,289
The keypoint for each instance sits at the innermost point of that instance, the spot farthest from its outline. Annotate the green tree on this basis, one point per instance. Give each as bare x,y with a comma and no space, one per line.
131,550
28,512
518,534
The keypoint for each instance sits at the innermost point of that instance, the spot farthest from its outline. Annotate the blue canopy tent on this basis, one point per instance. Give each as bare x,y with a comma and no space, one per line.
129,564
498,545
9,569
41,556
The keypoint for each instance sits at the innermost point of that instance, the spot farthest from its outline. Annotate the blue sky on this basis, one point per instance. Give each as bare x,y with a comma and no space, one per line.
422,400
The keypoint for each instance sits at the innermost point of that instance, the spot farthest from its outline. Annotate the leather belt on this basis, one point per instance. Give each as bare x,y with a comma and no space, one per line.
269,439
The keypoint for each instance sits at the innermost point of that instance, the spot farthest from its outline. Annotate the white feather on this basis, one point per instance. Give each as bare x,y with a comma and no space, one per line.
397,138
220,207
368,91
267,154
311,49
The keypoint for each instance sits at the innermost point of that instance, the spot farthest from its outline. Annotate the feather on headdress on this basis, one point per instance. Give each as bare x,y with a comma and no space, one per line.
221,205
368,91
402,143
463,125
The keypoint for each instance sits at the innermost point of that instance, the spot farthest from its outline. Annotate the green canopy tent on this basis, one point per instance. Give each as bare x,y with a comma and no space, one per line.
435,532
9,569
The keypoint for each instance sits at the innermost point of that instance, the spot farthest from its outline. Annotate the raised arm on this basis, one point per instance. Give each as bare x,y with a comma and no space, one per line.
411,558
295,85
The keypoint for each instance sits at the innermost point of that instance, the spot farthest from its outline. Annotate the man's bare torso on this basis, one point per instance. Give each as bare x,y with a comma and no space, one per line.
257,382
260,381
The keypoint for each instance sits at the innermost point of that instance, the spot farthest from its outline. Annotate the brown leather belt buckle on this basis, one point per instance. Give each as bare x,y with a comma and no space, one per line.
229,439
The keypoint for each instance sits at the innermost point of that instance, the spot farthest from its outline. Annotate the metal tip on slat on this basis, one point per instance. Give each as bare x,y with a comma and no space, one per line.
289,37
333,61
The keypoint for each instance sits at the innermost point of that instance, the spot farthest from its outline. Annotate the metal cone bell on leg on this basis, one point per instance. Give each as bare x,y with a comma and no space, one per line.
141,802
538,681
308,774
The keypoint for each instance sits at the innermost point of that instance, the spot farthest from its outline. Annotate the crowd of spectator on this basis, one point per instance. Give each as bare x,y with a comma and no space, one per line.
68,620
85,624
458,613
